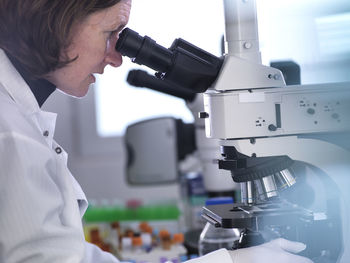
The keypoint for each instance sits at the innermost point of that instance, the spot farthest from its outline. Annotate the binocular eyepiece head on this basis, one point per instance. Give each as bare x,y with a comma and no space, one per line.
183,64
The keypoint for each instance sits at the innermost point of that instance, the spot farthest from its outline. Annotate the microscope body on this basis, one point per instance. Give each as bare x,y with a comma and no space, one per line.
309,124
255,116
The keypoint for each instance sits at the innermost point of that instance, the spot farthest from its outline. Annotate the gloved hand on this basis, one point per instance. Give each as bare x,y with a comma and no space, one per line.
277,251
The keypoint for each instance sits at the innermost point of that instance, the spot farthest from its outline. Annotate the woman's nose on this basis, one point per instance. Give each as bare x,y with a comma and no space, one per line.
113,57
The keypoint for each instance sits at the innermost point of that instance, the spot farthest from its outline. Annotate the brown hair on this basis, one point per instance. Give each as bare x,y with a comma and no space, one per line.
36,32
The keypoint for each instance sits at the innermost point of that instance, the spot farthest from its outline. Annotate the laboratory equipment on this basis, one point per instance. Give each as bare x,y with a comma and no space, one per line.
212,238
288,146
155,147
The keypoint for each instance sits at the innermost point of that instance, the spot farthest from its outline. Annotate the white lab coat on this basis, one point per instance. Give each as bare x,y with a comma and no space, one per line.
41,204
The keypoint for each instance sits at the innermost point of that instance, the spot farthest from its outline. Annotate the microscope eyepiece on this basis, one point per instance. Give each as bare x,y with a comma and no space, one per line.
129,43
183,64
143,50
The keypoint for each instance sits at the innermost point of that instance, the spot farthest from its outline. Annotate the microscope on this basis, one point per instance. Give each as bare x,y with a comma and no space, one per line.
287,145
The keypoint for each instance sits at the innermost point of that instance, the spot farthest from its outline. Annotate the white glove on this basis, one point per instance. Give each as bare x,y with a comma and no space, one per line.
276,251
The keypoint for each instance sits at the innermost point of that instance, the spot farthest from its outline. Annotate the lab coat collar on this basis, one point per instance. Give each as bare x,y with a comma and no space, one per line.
41,88
16,86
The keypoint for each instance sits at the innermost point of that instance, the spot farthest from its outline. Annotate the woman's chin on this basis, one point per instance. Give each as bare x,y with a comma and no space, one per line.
79,92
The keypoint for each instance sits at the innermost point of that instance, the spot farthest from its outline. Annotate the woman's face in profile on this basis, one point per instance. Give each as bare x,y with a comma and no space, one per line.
93,42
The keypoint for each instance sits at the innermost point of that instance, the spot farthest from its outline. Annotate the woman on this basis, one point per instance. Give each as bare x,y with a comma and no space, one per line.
47,45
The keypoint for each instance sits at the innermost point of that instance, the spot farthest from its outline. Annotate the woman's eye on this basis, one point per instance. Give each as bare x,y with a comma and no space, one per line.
110,34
